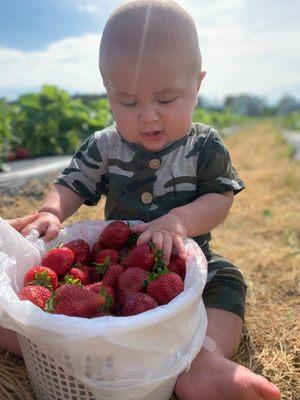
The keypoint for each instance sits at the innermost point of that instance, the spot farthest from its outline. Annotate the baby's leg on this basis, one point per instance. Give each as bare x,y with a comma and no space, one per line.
9,341
213,376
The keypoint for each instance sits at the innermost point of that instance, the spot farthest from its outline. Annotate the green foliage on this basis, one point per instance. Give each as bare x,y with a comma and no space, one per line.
50,122
218,119
292,121
6,135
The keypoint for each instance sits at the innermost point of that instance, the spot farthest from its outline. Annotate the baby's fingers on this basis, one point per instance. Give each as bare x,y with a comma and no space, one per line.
167,247
179,245
51,232
21,222
139,228
144,237
163,241
30,227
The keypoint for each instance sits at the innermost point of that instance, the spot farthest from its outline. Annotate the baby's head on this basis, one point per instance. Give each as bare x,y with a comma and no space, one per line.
150,63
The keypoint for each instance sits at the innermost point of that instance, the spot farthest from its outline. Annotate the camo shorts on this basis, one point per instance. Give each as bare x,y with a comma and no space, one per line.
225,288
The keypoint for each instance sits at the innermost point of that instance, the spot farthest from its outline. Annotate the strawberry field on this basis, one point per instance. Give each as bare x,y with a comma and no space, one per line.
52,122
261,236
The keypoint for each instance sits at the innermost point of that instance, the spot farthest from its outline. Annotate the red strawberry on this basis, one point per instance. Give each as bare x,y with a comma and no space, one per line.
177,265
38,295
103,260
81,249
106,292
78,275
165,288
42,276
75,301
137,303
141,256
112,274
131,280
22,153
59,259
97,247
115,235
111,255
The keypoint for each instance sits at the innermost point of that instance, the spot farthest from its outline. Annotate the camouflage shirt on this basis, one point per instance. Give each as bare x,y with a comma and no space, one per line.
144,185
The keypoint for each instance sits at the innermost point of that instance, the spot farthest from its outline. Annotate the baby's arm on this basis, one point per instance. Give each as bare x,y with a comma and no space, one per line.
205,213
60,203
193,219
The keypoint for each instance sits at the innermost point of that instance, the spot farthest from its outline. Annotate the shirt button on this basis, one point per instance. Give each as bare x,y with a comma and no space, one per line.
154,163
146,197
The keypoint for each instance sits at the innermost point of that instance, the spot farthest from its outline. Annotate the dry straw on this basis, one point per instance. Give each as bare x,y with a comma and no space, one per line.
262,236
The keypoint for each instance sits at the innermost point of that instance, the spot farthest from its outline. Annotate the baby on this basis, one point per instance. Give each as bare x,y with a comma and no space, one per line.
155,165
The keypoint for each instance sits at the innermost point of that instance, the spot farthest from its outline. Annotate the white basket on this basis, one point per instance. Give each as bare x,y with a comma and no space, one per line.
48,379
107,358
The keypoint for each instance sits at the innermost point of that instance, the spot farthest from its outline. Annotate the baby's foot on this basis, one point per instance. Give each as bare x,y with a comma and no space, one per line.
213,377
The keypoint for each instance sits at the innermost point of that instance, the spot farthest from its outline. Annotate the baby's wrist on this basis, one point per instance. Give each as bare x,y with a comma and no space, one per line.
180,221
49,210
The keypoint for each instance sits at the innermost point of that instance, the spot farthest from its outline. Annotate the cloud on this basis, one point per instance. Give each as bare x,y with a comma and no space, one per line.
246,46
71,64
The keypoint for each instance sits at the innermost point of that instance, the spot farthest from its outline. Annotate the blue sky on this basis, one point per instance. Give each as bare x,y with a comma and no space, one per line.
247,46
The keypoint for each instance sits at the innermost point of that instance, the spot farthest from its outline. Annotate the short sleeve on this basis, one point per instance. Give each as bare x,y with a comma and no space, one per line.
87,173
215,173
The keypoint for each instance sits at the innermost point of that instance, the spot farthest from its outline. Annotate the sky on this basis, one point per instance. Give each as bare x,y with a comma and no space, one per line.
248,46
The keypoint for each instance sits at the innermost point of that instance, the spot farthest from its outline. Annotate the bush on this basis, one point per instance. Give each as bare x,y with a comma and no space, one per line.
50,122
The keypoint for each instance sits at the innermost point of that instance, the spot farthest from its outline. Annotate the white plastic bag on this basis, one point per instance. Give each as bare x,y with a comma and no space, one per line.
133,358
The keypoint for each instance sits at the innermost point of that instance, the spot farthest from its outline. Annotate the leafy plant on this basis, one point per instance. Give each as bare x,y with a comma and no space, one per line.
50,122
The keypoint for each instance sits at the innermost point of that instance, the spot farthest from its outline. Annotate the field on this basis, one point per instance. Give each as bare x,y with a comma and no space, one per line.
261,235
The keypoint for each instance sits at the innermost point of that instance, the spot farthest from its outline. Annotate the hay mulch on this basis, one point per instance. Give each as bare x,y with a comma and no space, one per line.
261,235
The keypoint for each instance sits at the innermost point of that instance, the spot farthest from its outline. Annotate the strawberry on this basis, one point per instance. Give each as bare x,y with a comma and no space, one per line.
177,265
106,293
22,153
97,247
103,260
78,275
59,259
141,256
41,276
115,235
165,287
112,274
131,280
75,301
109,255
81,249
38,295
137,303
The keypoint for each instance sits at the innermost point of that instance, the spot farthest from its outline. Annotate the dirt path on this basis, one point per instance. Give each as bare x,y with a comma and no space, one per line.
261,235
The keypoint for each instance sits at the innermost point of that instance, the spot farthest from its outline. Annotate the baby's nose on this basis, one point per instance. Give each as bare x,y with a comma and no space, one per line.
147,114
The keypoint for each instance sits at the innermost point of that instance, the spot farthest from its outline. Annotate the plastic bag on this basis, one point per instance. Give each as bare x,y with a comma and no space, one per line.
133,358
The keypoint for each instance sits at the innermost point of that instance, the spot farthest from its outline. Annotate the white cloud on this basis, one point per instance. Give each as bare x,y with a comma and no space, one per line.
90,8
247,46
71,64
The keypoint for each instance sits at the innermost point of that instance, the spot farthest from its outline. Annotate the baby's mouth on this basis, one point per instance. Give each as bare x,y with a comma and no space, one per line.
151,133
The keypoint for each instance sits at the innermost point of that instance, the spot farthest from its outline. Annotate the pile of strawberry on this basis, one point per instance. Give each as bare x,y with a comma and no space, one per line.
118,277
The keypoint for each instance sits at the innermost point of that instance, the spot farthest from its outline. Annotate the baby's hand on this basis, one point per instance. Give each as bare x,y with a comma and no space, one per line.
47,224
166,232
19,223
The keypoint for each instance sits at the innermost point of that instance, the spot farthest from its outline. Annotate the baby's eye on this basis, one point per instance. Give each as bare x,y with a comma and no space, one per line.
167,101
128,104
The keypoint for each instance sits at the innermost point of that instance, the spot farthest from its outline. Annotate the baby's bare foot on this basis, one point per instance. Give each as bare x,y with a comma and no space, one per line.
213,377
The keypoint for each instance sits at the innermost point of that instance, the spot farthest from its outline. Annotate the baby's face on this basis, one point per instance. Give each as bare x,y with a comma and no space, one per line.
152,104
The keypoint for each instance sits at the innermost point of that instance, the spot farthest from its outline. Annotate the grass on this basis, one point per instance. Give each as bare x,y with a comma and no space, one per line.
261,236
